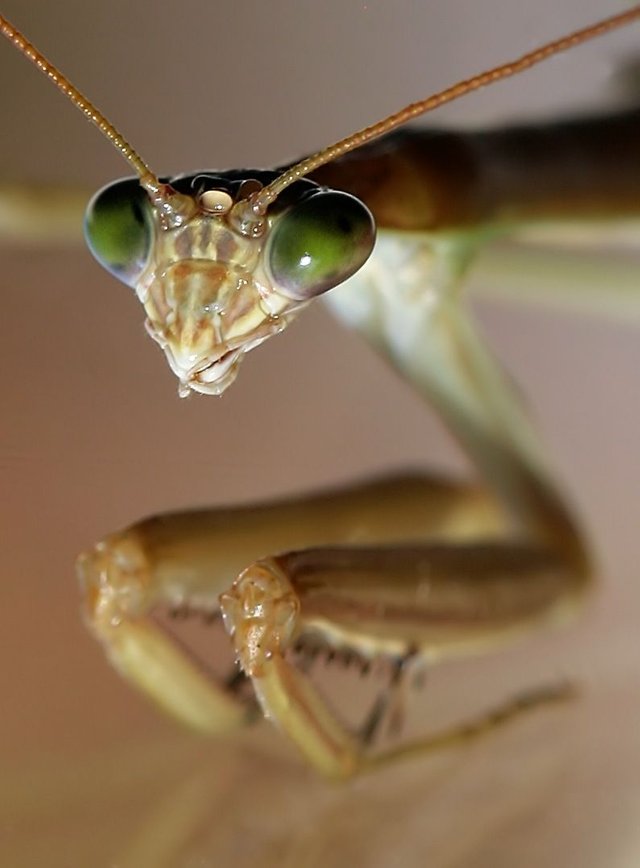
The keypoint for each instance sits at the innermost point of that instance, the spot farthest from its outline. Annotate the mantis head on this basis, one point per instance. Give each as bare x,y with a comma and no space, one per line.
212,290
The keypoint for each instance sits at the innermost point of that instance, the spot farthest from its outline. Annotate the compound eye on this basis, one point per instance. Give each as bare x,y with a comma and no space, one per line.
319,243
118,230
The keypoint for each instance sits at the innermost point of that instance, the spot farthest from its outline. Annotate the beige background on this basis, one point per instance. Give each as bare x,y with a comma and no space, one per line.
92,436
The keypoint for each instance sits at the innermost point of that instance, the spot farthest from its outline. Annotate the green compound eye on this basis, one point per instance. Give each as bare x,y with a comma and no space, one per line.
319,243
117,227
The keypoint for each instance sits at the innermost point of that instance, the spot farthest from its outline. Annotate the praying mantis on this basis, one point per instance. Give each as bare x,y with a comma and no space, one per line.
466,556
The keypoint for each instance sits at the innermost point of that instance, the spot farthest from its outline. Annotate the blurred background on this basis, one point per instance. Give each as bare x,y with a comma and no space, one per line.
93,437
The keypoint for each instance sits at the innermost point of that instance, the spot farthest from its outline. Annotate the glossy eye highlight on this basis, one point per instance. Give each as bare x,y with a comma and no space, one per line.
117,227
319,243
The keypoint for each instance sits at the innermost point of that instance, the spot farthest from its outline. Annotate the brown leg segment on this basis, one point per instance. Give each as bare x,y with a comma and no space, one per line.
188,559
441,599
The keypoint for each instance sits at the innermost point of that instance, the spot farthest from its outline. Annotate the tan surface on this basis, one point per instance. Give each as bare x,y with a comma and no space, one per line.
92,436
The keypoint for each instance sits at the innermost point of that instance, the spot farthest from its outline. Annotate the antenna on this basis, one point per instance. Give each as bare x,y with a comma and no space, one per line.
255,206
147,178
172,207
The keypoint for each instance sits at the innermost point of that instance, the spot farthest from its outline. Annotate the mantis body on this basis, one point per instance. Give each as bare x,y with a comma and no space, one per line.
403,569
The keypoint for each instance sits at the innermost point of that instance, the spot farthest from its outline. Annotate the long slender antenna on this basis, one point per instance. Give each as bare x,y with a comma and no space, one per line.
259,202
147,178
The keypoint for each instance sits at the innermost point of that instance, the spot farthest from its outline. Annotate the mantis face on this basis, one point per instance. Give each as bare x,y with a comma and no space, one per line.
212,292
